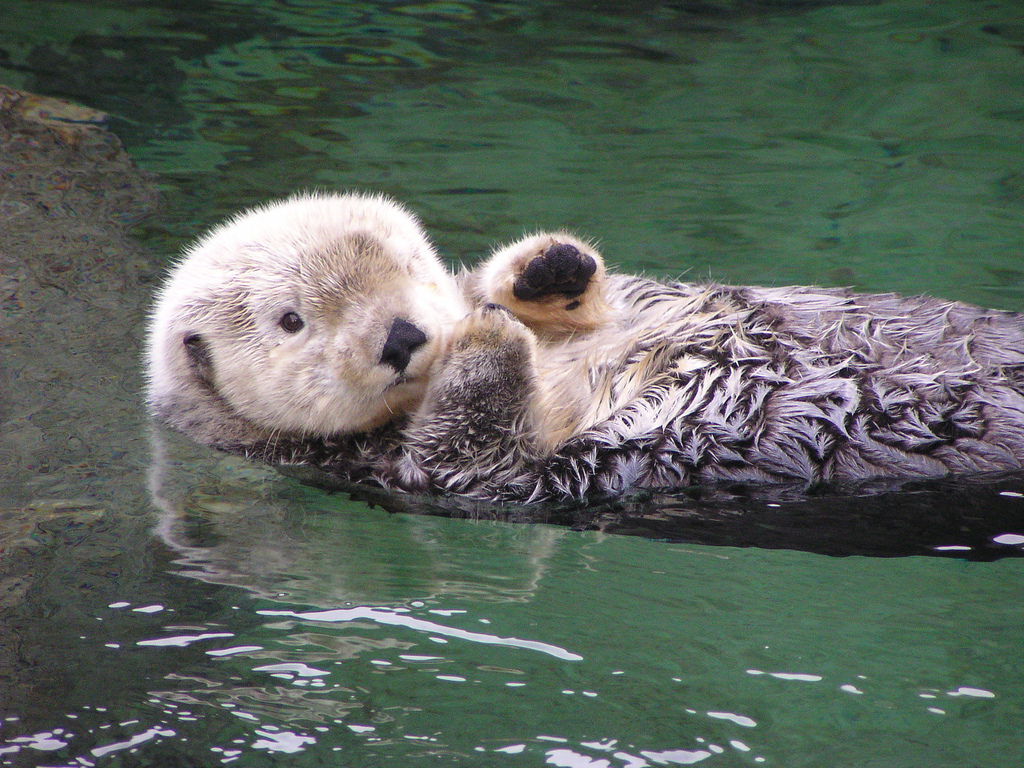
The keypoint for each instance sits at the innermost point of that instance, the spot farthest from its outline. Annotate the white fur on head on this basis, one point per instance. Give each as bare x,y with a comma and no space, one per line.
348,266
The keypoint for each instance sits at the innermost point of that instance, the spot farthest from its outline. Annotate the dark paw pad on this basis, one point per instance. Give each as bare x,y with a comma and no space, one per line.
561,269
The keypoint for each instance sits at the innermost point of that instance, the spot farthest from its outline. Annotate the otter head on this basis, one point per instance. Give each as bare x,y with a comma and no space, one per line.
317,315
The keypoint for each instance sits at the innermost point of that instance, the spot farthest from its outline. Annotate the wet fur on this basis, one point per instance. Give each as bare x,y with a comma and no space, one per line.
633,383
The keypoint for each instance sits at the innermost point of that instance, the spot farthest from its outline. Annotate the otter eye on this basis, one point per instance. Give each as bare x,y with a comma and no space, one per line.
291,322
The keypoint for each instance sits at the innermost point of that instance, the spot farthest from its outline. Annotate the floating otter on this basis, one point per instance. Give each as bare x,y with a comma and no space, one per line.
324,331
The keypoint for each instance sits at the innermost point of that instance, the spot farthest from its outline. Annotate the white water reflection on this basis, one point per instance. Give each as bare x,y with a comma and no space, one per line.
678,756
281,741
399,617
979,693
292,669
800,676
1009,538
236,649
134,741
47,741
746,722
180,641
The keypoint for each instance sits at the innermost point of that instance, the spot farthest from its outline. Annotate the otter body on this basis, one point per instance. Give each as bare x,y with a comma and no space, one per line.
540,376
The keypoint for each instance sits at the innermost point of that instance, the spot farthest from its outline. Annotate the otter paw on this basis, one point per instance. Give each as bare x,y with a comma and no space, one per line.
489,366
490,326
561,269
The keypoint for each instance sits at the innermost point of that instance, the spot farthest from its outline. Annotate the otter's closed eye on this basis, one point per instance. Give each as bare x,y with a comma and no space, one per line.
291,322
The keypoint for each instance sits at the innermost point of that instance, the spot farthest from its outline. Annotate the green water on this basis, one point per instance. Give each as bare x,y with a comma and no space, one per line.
163,605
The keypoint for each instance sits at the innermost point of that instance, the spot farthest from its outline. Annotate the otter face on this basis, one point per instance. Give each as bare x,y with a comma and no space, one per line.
317,315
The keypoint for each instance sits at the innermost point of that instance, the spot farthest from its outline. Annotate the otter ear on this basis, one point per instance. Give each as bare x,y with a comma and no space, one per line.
198,357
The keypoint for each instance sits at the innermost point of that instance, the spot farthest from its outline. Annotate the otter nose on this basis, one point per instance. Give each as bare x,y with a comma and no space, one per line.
403,339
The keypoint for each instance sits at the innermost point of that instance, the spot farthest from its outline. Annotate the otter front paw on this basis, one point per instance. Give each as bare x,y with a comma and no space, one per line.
553,282
479,417
489,343
562,268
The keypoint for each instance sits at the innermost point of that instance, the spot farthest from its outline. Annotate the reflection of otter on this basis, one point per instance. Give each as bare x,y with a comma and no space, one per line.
324,331
231,522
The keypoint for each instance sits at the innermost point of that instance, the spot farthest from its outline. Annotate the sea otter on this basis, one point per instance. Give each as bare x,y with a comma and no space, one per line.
323,330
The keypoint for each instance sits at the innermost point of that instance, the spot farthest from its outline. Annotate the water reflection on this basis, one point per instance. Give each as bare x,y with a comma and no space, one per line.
306,625
978,517
380,706
236,523
399,617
